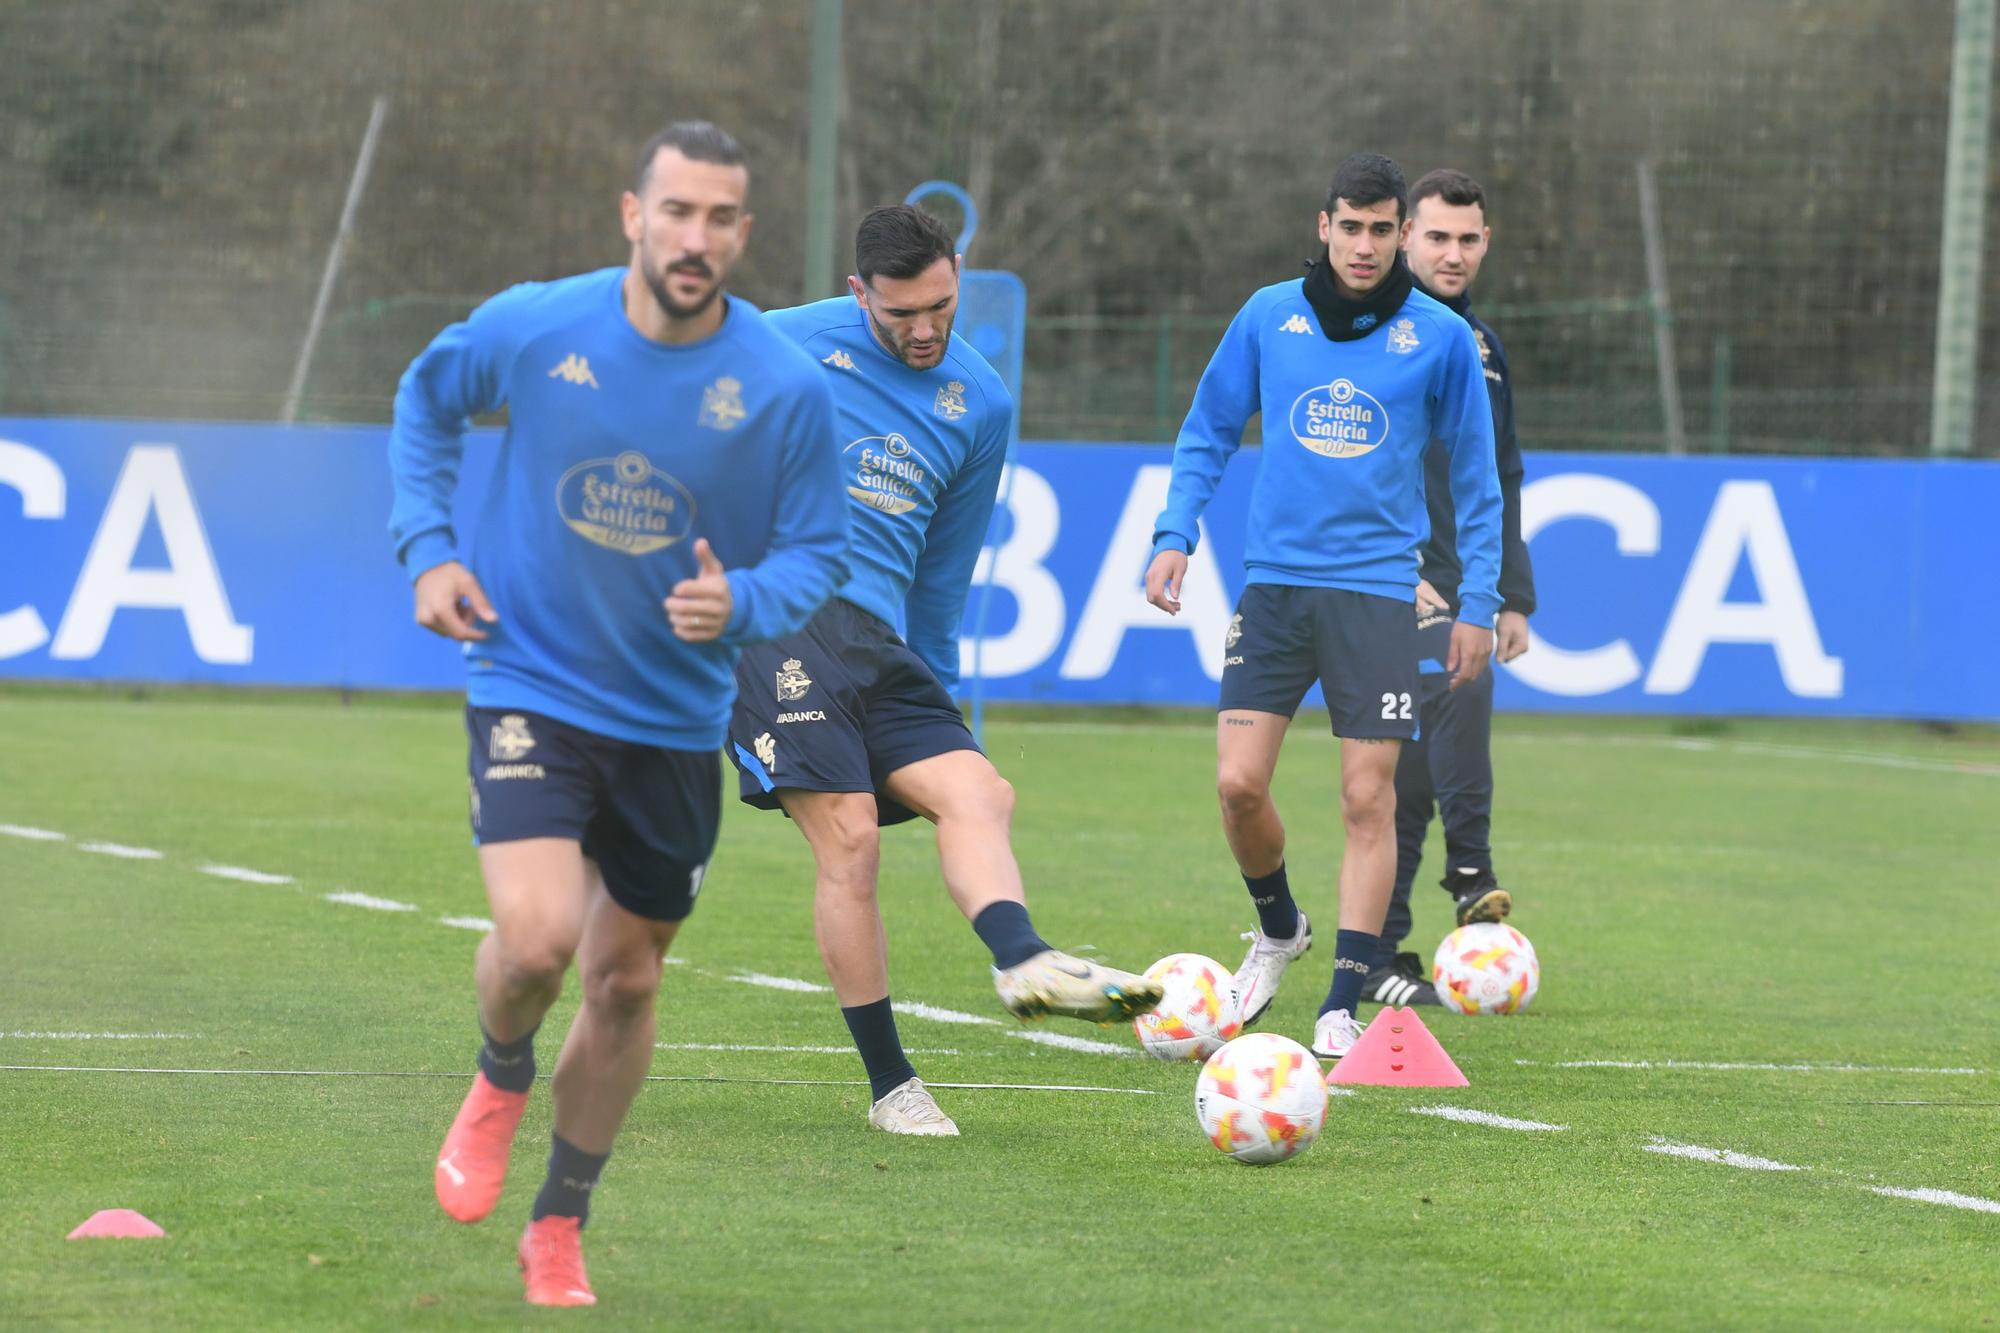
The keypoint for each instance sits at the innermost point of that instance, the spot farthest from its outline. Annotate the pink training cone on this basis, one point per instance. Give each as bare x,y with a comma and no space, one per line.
117,1222
1398,1051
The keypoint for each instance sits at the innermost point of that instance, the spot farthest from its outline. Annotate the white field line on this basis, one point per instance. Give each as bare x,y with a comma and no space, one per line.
936,1014
650,1078
32,834
478,923
917,1009
778,983
245,875
1719,1156
1059,1040
1945,1197
119,849
369,901
1063,1041
1469,1117
791,1050
1753,1066
102,1036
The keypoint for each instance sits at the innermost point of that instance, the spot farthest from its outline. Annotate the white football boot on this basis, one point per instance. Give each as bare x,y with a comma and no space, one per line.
1335,1033
1257,979
909,1108
1053,982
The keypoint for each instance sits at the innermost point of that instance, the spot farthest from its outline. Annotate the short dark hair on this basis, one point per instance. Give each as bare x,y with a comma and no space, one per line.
695,140
1368,178
900,241
1454,187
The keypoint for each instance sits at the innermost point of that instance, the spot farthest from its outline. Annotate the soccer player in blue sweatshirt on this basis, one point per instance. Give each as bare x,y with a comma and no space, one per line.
1451,764
1355,373
849,725
666,492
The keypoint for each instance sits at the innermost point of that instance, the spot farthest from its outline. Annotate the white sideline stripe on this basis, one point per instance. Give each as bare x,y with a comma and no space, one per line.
1340,1090
1487,1118
33,834
650,1078
777,983
1751,1065
1720,1156
370,901
912,1008
917,1009
247,876
1069,1043
1945,1197
102,1036
119,849
791,1050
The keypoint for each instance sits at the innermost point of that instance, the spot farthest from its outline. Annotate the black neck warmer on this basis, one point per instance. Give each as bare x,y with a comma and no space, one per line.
1344,320
1458,305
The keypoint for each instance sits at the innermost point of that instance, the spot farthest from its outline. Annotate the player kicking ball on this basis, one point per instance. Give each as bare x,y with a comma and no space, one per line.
848,726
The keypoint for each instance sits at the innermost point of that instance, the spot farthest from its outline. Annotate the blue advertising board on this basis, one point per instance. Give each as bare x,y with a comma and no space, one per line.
152,551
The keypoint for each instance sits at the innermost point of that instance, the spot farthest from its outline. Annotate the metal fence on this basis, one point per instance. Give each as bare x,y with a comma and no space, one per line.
176,175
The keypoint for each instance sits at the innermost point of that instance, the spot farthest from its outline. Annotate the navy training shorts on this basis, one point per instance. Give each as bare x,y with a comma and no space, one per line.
646,815
838,706
1360,647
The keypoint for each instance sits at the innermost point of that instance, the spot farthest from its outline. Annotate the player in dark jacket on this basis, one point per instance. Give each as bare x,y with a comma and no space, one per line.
1450,766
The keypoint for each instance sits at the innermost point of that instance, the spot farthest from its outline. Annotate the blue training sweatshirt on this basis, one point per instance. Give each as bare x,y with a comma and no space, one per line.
921,462
619,452
1339,496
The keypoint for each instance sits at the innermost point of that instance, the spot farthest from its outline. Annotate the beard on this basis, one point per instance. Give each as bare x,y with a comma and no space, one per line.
656,282
900,347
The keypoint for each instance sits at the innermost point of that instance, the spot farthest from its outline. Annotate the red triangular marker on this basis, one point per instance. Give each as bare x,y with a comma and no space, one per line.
1398,1051
116,1222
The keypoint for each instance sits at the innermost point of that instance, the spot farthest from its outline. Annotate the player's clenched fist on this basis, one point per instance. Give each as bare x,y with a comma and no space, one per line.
451,602
1163,580
700,607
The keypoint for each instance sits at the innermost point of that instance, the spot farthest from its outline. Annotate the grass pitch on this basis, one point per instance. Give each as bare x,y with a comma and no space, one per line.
1816,897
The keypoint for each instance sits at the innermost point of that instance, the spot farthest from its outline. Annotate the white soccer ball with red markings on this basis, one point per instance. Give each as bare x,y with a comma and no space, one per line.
1198,1013
1486,968
1261,1099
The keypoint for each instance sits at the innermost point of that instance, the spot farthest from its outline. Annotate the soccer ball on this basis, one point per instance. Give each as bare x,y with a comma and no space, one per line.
1487,968
1196,1015
1261,1099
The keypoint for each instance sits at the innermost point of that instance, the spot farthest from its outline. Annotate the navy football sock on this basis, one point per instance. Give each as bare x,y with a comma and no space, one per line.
572,1176
1277,914
874,1029
508,1065
1005,928
1353,958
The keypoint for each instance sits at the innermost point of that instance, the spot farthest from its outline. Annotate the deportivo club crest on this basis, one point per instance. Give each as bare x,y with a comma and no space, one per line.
1235,631
722,404
1363,323
510,740
1403,337
951,401
793,682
